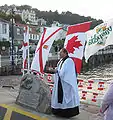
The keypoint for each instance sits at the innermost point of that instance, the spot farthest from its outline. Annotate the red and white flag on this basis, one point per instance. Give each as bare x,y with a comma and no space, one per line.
25,46
43,48
75,42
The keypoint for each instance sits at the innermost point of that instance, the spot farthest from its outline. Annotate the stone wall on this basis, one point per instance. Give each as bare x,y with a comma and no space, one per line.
7,70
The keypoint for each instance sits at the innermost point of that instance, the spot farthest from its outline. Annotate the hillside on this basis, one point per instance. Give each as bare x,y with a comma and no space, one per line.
63,18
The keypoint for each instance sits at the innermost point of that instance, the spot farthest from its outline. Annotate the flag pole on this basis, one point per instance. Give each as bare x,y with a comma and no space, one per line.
26,50
28,54
23,68
23,60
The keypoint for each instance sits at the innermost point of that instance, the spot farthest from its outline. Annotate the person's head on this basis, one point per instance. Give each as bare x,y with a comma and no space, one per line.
63,53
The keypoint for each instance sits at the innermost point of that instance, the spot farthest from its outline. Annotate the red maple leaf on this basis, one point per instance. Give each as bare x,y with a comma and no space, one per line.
73,43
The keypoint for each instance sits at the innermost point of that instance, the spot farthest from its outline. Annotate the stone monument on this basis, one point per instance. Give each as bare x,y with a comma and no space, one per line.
34,93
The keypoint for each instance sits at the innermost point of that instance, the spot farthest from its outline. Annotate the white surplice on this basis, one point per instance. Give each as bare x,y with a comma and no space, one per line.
68,77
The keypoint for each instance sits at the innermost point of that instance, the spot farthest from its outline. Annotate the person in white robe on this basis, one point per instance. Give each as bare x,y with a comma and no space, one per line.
65,97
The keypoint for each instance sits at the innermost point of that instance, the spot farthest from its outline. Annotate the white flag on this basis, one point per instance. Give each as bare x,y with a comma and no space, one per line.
25,46
43,48
98,38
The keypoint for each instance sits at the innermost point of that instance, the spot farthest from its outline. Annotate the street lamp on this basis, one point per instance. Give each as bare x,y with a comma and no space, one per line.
12,40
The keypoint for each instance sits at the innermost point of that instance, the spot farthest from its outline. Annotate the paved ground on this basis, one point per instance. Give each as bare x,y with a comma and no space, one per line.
10,80
8,96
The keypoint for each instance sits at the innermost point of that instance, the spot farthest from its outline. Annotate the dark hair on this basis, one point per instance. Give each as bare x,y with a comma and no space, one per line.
64,50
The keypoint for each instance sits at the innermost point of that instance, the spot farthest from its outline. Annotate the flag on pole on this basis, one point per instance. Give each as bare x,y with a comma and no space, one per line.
43,48
98,38
75,42
25,46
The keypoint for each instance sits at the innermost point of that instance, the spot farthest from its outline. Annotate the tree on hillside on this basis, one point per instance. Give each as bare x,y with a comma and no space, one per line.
18,18
3,15
22,7
9,17
95,23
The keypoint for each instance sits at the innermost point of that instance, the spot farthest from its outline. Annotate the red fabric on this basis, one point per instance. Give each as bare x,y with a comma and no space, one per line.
25,44
79,28
73,43
78,64
40,52
25,63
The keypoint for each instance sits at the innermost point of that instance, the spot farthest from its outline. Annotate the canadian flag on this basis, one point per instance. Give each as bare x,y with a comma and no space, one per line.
90,84
49,78
75,42
100,85
43,47
25,46
94,99
84,94
80,84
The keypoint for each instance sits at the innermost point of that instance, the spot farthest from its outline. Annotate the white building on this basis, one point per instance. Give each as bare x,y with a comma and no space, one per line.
41,22
4,30
19,12
55,23
28,15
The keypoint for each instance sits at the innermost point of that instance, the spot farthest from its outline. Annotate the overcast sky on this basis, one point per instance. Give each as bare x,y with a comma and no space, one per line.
99,9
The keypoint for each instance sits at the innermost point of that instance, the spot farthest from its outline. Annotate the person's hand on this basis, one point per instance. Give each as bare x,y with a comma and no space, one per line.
51,70
100,113
55,70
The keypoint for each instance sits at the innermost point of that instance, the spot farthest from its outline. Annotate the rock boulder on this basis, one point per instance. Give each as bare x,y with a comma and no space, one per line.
34,93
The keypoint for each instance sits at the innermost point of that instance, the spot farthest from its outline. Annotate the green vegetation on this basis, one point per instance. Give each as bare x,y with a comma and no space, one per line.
17,18
5,44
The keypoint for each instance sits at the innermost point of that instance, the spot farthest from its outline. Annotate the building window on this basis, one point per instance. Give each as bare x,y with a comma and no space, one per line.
30,36
30,29
33,36
18,31
4,28
36,37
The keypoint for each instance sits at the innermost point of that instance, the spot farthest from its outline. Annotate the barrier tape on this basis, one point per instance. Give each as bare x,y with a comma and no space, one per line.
94,97
84,95
49,78
80,83
90,84
101,86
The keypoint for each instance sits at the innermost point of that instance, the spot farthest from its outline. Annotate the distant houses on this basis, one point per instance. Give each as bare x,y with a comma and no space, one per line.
18,29
28,16
18,33
4,30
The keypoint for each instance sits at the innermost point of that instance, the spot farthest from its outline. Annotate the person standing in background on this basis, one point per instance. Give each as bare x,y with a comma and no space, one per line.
106,108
